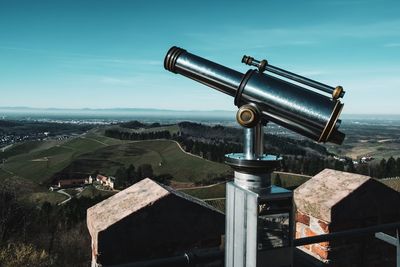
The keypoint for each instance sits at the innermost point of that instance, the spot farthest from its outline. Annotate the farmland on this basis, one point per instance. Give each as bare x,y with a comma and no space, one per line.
30,167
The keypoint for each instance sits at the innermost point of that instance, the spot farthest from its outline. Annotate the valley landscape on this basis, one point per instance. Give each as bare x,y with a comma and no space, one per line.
39,153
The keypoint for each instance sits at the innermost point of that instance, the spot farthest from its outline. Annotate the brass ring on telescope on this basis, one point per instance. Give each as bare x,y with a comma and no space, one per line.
248,116
337,92
263,64
171,58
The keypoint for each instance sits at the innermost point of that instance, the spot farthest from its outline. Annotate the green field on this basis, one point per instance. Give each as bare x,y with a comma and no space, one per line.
31,166
164,156
92,192
216,191
392,182
39,198
173,129
287,180
378,141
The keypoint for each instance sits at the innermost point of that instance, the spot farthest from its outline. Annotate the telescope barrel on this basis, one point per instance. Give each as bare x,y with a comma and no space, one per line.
202,70
291,106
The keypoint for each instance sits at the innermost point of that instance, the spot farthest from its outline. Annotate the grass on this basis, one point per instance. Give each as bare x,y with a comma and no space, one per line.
19,185
289,180
164,155
4,174
39,198
392,182
167,157
378,141
31,165
216,191
41,164
92,192
214,195
173,129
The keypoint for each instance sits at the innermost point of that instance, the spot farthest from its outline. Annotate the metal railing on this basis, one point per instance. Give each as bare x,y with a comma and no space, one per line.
376,230
210,255
186,259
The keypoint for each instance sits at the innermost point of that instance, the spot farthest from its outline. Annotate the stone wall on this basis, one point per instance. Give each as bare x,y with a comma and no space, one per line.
308,226
334,201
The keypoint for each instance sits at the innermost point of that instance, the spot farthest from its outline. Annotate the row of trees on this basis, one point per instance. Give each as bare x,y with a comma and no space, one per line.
382,169
312,165
124,135
125,177
214,151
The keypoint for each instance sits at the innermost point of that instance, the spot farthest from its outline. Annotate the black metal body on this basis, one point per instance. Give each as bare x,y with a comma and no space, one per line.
296,108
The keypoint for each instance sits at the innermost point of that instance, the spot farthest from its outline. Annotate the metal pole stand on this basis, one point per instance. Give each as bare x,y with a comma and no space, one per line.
258,214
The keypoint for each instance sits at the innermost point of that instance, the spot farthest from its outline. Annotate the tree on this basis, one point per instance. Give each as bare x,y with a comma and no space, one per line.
164,178
278,181
390,170
398,167
382,169
350,166
339,165
131,174
145,171
121,178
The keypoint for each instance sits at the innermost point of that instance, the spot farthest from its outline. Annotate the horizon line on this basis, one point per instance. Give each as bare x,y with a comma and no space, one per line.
156,109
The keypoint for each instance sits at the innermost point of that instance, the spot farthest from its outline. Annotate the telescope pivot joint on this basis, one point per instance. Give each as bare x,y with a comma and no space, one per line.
248,116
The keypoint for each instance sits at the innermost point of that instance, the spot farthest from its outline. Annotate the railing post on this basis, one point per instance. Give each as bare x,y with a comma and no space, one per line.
395,241
398,247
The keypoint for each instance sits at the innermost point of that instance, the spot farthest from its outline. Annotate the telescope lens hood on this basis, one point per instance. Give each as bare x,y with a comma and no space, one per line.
171,57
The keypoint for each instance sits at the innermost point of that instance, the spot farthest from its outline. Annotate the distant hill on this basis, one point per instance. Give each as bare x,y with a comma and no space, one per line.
274,144
42,161
120,113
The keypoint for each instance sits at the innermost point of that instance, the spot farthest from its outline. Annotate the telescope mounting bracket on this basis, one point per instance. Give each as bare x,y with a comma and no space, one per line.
252,161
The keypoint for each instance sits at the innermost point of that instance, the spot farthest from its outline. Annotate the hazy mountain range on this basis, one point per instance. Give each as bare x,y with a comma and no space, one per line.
139,113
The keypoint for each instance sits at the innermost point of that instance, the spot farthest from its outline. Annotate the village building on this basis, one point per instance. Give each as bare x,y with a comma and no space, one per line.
75,182
106,181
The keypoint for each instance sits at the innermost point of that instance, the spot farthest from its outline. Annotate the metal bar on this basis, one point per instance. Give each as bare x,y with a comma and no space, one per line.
300,79
347,233
187,259
387,238
395,241
248,143
398,247
259,140
253,143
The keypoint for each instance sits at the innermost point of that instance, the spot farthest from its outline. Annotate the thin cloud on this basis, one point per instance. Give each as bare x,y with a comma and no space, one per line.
311,35
392,45
85,58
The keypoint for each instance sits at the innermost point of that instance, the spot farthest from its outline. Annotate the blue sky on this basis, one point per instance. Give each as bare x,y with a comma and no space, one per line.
105,54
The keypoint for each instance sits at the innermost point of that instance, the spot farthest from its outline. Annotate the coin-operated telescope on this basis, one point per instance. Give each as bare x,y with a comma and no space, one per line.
259,225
